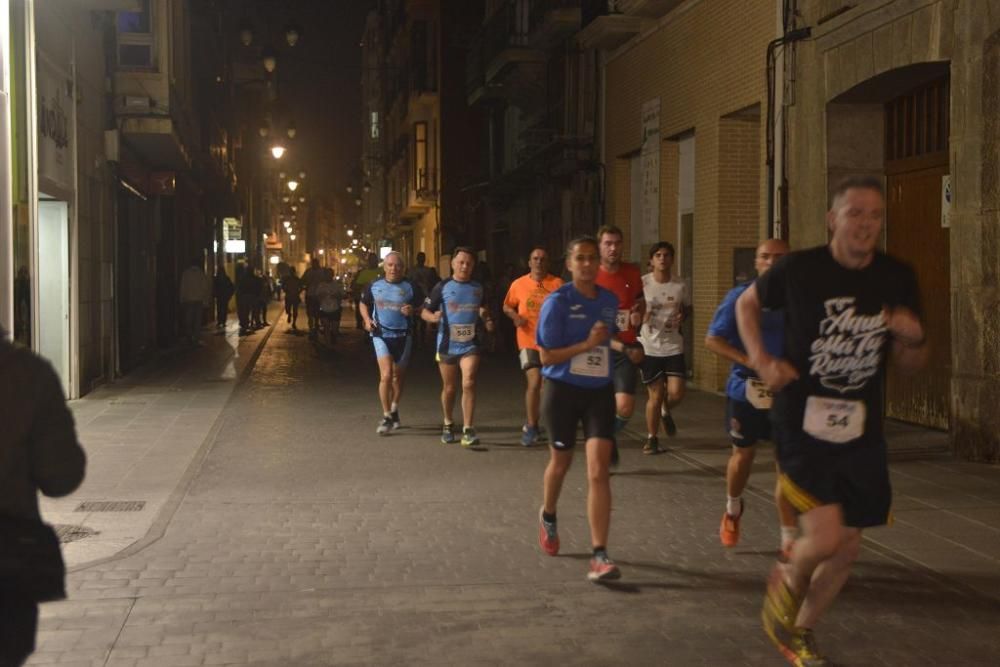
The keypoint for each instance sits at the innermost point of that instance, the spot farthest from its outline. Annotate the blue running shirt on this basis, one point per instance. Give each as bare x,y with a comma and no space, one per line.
772,329
459,303
566,318
385,300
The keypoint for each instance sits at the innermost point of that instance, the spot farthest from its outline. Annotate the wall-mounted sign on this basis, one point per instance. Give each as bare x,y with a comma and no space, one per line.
55,106
236,246
232,228
946,196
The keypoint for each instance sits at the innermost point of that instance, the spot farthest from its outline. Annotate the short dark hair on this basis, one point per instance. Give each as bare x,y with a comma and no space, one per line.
609,229
421,258
538,247
465,249
578,241
667,245
859,183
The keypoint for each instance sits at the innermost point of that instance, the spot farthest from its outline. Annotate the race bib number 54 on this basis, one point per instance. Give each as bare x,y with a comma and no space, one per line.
592,363
834,420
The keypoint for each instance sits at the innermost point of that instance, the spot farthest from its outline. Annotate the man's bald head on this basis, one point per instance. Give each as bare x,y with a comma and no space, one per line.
769,252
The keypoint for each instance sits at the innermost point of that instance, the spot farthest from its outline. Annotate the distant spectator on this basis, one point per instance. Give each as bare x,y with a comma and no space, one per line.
195,294
222,290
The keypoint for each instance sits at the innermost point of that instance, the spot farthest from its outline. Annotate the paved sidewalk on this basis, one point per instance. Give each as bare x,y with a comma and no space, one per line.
298,537
141,435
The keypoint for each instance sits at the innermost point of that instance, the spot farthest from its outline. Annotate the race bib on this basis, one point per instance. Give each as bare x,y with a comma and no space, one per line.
592,363
758,395
834,420
621,320
463,333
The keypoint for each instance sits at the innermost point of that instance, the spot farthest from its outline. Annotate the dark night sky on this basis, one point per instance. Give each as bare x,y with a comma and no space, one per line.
319,85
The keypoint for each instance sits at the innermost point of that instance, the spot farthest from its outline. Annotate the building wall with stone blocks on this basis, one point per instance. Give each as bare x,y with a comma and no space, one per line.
890,42
705,62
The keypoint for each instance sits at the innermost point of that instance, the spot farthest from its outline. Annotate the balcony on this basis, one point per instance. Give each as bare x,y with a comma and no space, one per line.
653,9
420,199
552,21
145,107
603,29
510,62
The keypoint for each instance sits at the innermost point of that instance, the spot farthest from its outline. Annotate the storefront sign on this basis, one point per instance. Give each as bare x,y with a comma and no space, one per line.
946,197
232,228
650,156
55,107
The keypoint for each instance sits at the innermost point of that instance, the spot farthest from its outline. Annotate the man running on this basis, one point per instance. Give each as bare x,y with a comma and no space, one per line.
847,308
387,306
522,305
748,401
668,303
456,306
575,339
625,281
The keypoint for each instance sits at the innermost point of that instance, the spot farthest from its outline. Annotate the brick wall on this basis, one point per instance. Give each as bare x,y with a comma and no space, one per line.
705,61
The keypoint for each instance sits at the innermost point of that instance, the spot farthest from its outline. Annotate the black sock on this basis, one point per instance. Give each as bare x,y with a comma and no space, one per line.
601,550
549,518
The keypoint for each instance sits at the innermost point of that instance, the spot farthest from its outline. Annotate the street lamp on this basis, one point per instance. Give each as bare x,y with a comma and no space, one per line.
269,59
350,232
277,151
292,185
292,236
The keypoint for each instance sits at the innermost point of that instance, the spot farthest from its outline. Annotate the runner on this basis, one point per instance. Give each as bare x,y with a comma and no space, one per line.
574,336
847,308
522,305
668,303
624,280
386,308
748,401
456,306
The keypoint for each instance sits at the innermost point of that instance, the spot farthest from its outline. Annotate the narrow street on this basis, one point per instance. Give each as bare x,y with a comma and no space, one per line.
299,537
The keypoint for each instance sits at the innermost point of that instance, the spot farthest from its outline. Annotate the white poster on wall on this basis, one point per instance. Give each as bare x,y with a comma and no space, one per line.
650,156
55,106
946,197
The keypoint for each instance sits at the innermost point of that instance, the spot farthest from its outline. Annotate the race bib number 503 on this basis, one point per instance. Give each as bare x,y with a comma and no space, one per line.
463,333
834,420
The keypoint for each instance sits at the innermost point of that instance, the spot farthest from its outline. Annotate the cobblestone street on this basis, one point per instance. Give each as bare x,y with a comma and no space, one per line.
296,536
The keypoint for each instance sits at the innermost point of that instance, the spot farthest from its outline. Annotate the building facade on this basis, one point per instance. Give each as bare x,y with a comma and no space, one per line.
683,140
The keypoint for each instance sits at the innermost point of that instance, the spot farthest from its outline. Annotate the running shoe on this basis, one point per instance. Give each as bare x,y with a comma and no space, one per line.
394,415
799,648
614,451
529,435
781,607
668,424
448,434
729,529
603,568
548,536
652,445
469,437
384,426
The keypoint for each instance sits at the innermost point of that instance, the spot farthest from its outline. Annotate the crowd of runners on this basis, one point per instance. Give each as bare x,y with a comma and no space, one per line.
808,339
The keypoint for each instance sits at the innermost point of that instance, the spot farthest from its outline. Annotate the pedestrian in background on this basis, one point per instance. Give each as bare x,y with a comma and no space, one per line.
293,290
246,297
195,294
222,290
38,452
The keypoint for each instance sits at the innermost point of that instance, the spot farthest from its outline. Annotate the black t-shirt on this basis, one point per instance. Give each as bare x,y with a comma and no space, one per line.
835,336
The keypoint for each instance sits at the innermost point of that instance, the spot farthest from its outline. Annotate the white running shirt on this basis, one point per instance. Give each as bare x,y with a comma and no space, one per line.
658,337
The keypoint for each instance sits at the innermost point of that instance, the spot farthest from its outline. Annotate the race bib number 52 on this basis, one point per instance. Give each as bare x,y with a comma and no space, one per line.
592,363
834,420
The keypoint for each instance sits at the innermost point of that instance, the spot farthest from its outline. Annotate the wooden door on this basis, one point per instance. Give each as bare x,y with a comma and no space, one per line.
915,235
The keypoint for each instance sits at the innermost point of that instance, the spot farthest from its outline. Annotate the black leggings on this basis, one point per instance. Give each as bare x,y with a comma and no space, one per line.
18,625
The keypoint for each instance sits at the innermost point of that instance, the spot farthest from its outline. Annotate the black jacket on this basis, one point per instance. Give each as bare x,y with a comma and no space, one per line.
39,450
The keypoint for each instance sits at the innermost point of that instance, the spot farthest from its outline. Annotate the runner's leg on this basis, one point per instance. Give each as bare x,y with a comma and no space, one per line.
653,405
599,490
829,577
470,369
385,382
449,382
532,395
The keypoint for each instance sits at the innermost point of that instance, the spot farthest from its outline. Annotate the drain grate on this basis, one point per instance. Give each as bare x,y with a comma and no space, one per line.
69,533
111,506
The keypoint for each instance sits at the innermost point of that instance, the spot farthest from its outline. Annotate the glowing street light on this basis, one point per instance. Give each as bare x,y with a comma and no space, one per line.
350,232
277,151
292,237
292,185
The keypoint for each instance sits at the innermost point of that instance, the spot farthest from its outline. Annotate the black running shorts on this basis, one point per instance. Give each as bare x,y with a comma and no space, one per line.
653,368
625,374
746,424
856,477
564,406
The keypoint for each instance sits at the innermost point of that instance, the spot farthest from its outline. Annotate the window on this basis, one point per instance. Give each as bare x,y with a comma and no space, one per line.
420,155
135,38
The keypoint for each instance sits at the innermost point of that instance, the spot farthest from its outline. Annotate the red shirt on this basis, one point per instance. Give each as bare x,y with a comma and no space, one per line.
626,283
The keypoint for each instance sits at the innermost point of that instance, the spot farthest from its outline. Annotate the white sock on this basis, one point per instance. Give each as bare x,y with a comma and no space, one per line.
788,535
395,407
734,506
